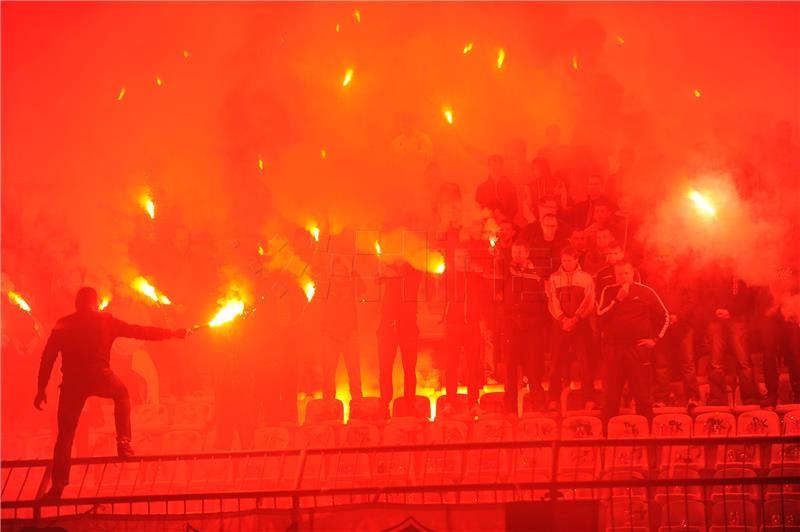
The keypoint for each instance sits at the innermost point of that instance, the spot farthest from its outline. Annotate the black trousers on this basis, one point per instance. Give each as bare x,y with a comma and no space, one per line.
777,337
677,344
74,392
463,337
633,364
401,332
524,341
578,339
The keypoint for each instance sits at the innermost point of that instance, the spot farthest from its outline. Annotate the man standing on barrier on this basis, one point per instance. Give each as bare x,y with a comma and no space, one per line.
84,340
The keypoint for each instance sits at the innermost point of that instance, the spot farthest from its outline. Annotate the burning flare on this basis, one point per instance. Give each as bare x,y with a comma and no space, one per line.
141,285
348,76
377,248
492,241
448,115
620,39
702,204
312,228
158,81
186,54
468,48
148,205
501,56
309,288
261,251
121,94
357,15
575,62
103,303
337,28
19,301
260,163
697,93
230,310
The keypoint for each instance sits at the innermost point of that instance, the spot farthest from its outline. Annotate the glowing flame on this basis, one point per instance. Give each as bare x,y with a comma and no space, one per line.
312,228
230,310
575,62
620,39
468,48
140,284
337,28
501,56
697,93
436,264
121,94
448,115
186,54
158,81
377,247
702,204
493,241
323,153
309,288
357,15
19,301
261,251
348,76
104,303
260,163
148,205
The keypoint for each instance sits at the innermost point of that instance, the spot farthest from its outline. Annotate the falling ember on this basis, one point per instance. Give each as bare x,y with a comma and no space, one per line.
121,94
575,62
697,93
357,15
337,28
186,54
260,163
158,81
348,76
261,251
19,301
468,48
148,205
493,241
229,311
141,285
309,288
501,56
448,115
702,204
103,303
620,39
323,153
377,247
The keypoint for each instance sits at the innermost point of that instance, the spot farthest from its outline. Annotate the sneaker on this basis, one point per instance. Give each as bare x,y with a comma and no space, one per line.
691,404
124,449
53,494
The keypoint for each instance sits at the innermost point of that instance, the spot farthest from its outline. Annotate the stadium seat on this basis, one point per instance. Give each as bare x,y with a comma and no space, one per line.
493,402
751,423
534,464
369,409
488,465
628,514
734,515
324,410
713,425
585,459
683,515
740,490
418,406
788,453
399,468
782,515
443,466
193,415
627,457
666,494
672,457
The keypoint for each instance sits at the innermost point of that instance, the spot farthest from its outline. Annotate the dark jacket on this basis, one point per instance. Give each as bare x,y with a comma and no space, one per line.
524,295
640,315
84,340
607,276
498,194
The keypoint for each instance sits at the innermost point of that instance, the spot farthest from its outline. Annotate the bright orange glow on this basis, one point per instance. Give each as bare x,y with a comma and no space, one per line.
348,77
19,301
121,94
493,241
501,56
702,204
148,205
357,15
575,62
104,303
260,163
186,54
229,311
158,81
323,153
468,48
696,93
261,251
377,247
337,28
448,115
620,39
141,285
313,228
310,289
436,263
